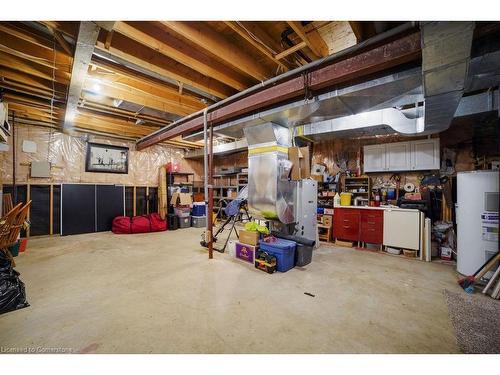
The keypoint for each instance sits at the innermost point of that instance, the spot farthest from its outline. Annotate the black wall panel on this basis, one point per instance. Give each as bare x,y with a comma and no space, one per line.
153,200
40,210
129,201
78,209
56,204
22,195
140,201
110,204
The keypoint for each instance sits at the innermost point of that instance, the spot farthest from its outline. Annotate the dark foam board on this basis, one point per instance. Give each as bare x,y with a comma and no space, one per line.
110,204
140,201
78,209
129,201
40,210
56,204
153,200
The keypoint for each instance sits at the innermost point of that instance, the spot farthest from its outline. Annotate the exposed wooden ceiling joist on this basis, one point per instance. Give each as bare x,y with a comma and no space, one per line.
168,45
209,40
136,53
259,46
148,89
313,40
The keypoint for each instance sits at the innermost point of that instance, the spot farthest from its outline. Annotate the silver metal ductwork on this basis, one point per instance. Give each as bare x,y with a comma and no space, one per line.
271,195
384,121
221,149
446,48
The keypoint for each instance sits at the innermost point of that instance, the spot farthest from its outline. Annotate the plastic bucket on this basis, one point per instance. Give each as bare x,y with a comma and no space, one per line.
345,199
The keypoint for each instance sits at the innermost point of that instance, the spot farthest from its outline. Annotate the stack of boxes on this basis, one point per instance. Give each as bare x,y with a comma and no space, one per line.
247,245
182,207
199,215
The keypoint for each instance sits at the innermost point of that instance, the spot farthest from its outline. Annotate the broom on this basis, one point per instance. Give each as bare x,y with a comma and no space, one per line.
467,283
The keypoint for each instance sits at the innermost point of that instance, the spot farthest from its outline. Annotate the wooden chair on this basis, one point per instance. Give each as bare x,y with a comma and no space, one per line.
13,225
7,205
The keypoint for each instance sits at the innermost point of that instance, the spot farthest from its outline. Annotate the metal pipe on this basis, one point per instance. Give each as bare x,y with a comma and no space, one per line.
211,197
335,56
14,189
205,158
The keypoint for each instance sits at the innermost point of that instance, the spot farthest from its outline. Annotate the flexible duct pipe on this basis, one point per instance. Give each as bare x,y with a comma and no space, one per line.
335,56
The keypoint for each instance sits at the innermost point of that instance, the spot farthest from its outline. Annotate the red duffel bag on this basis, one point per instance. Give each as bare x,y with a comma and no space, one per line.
141,224
157,224
121,225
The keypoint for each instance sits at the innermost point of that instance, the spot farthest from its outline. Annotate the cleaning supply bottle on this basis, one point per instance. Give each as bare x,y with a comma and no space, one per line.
336,200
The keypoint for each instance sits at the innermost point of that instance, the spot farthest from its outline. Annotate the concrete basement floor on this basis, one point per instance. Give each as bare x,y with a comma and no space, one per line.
158,293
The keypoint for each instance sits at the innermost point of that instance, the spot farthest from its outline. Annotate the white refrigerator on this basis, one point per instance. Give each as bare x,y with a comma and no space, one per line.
477,219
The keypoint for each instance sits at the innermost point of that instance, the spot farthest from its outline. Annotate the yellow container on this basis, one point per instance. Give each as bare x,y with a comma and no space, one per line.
345,199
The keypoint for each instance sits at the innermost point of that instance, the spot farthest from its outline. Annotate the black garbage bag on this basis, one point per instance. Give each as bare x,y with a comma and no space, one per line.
12,291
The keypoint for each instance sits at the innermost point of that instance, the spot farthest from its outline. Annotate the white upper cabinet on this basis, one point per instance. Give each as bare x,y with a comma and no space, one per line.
402,156
425,154
374,158
398,156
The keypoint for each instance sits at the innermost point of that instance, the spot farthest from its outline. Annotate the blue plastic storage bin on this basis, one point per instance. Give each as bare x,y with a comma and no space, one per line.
283,250
199,209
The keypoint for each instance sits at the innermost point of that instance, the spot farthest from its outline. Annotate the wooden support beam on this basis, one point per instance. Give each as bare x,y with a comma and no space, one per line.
125,77
313,40
109,38
357,29
62,42
138,54
33,68
236,28
174,48
211,41
367,62
130,95
291,50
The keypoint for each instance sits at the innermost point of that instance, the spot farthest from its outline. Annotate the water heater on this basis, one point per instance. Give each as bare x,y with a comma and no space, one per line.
477,219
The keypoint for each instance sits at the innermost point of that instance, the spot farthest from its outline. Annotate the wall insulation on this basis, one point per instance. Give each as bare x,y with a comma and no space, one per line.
67,156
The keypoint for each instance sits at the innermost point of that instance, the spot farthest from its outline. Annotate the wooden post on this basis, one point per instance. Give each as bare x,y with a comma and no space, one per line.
134,205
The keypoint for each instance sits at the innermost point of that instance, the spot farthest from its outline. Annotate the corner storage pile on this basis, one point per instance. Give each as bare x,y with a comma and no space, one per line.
271,253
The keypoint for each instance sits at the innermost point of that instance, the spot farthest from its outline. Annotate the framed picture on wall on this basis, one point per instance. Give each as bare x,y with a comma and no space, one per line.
106,158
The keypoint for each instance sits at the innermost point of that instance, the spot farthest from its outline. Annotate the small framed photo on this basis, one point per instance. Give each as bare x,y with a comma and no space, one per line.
106,158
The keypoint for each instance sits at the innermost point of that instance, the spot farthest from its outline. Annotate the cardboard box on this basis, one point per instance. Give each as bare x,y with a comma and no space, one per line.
184,199
249,237
327,220
301,168
328,211
245,252
317,177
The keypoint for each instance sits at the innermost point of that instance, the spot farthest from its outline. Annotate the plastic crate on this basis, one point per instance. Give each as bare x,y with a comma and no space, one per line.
283,250
199,209
185,222
198,221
